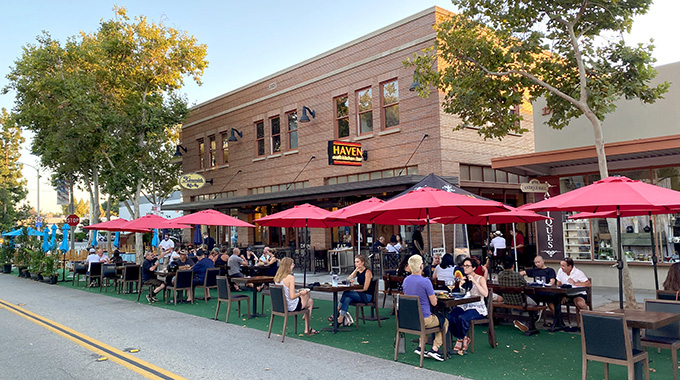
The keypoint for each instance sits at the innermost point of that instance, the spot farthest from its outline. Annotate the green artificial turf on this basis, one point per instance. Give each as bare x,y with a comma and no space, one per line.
545,355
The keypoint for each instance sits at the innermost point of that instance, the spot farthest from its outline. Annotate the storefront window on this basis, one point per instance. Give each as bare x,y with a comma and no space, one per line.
668,226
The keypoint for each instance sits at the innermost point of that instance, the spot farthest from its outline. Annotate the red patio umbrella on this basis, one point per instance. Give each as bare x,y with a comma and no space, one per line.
114,225
211,218
304,215
616,194
151,222
349,214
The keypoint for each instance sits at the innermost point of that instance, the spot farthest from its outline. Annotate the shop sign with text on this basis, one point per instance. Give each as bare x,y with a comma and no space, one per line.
344,153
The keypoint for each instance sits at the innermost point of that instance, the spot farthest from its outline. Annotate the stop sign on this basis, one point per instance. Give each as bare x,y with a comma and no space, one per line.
72,220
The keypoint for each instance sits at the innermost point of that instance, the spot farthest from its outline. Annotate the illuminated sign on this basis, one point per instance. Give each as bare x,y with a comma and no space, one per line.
192,181
345,153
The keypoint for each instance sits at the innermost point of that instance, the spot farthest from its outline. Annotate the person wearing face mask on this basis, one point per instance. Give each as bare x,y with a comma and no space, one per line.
208,241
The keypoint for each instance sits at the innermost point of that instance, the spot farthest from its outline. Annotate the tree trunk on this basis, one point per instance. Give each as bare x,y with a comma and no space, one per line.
628,291
139,242
108,218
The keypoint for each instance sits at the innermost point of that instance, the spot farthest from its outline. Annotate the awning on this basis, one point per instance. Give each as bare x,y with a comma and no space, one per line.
655,151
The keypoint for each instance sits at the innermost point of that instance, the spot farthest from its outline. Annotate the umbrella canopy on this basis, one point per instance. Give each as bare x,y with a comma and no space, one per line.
610,194
198,239
64,238
304,215
612,214
427,203
211,218
94,238
151,222
31,232
53,240
347,214
46,240
114,225
116,240
513,215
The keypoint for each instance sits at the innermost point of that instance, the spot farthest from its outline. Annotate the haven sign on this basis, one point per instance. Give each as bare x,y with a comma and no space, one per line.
345,153
192,181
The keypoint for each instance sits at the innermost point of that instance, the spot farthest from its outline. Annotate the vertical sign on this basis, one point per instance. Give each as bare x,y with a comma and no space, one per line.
549,232
63,196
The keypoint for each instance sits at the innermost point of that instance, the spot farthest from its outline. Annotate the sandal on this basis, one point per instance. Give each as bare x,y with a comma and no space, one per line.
466,342
330,319
458,346
312,332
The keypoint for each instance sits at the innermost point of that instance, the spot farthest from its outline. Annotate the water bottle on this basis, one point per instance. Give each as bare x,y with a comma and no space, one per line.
334,279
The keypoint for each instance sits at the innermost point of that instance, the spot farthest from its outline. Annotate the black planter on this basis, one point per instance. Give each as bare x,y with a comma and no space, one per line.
7,268
52,280
22,271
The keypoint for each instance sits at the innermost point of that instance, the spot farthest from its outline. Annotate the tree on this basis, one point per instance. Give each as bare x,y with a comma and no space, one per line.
498,54
12,185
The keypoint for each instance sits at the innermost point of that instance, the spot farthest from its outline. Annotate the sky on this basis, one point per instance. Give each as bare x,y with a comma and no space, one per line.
247,40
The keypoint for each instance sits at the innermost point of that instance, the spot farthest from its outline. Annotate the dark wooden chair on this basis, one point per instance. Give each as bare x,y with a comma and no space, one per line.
605,338
132,274
488,320
95,273
224,295
280,308
503,310
410,320
109,275
209,282
670,295
78,270
183,281
392,287
373,303
667,337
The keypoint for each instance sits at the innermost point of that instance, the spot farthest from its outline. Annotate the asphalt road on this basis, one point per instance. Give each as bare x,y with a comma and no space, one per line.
184,345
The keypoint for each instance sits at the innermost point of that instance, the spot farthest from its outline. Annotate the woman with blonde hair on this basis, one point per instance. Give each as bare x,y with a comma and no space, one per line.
295,301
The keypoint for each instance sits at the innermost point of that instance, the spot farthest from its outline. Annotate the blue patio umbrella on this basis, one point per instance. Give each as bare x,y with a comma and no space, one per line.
53,241
198,239
16,232
116,241
94,238
155,241
46,240
64,241
31,232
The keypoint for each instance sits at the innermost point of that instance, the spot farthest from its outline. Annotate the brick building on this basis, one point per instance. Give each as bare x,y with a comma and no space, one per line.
262,157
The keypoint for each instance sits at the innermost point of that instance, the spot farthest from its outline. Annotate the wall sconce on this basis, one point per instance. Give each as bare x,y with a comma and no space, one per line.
177,152
305,118
210,181
365,155
415,85
233,137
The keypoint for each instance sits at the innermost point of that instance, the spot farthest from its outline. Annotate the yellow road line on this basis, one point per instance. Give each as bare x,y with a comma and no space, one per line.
128,361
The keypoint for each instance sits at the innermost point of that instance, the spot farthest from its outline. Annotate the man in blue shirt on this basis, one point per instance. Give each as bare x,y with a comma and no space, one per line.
417,285
199,269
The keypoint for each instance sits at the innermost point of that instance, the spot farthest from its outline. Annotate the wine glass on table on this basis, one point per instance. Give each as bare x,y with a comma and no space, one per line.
450,284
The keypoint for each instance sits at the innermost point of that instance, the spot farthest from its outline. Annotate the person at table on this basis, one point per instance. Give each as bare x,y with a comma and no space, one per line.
417,285
295,301
460,317
509,278
208,241
480,270
363,277
267,258
251,257
166,246
445,270
91,258
103,257
428,270
203,264
223,257
347,239
540,270
418,242
234,265
116,259
568,274
378,245
498,243
672,281
213,254
148,267
184,262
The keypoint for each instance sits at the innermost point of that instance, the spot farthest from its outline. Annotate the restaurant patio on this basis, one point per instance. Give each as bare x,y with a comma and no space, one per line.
545,355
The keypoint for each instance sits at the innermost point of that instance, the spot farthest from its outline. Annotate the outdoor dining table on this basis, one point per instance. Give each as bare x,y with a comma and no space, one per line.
642,319
253,270
557,294
255,280
335,290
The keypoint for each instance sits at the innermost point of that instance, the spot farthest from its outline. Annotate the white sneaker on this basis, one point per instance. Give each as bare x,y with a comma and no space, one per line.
435,355
417,351
521,326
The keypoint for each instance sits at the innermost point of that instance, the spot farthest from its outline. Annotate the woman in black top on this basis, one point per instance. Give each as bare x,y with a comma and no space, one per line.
363,276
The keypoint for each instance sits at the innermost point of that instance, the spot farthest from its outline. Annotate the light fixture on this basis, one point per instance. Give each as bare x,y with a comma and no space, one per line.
415,85
233,137
177,152
210,181
364,154
305,118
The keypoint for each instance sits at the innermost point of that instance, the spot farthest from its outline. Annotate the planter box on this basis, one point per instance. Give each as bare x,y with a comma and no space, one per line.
7,268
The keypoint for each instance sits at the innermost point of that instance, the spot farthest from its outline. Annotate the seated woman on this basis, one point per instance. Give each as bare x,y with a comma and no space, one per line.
222,258
673,278
460,317
445,270
295,301
363,276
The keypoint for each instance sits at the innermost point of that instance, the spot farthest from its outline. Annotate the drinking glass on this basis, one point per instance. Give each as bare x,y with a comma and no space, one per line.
449,284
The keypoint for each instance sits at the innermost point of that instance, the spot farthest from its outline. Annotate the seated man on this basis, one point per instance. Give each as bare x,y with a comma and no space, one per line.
148,267
417,285
540,270
270,260
234,265
93,257
184,263
508,277
203,264
568,274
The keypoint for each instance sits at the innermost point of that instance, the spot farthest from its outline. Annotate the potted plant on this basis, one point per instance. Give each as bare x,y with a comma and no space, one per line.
25,245
6,257
49,269
35,266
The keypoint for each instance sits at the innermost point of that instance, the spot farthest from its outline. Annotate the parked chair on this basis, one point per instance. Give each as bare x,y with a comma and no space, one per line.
280,307
94,274
78,270
410,321
392,287
109,274
667,295
667,337
489,320
224,295
373,303
132,275
210,282
183,281
605,338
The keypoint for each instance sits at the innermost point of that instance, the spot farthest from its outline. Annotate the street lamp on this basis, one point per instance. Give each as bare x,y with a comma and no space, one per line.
37,169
